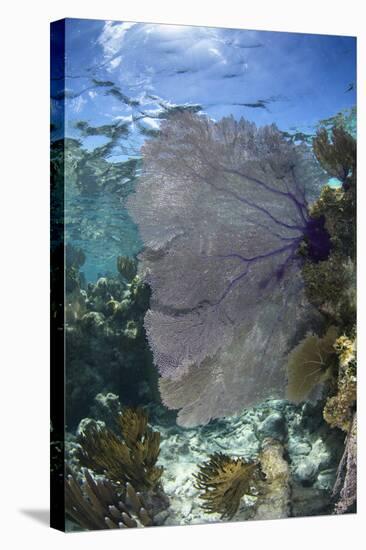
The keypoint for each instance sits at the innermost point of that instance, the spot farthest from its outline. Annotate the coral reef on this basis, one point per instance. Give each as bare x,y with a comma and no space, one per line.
96,504
276,499
281,459
346,350
129,457
127,267
310,364
347,119
339,408
338,208
338,154
345,487
224,481
330,285
106,408
106,347
277,435
113,480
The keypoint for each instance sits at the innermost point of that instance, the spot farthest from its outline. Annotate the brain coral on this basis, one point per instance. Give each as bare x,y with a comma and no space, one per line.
222,208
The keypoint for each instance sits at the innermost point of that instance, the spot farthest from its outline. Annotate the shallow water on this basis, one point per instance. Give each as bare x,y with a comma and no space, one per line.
292,80
122,80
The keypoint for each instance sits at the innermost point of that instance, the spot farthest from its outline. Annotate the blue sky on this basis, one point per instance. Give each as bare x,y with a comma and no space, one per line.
291,79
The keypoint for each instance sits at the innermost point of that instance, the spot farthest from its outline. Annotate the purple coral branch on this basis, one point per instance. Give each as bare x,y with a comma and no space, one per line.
302,207
286,194
230,286
255,206
272,233
251,260
246,201
260,256
300,188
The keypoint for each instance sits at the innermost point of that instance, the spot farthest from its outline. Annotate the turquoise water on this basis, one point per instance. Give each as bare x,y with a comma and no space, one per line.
101,226
98,222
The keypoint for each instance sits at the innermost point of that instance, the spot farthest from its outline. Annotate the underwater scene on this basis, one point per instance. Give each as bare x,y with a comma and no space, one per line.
203,246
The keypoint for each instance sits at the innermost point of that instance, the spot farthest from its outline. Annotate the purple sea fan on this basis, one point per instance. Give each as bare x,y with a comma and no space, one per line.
222,208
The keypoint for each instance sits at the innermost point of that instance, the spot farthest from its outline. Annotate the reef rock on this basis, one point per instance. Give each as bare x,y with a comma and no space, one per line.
275,503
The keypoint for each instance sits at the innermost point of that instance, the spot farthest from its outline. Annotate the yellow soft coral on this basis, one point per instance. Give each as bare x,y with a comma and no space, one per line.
346,350
130,457
339,408
224,481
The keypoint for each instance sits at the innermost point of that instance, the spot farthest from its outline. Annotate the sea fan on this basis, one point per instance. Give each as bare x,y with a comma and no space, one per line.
222,209
310,364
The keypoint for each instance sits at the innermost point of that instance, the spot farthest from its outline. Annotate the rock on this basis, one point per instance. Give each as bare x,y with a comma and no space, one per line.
247,441
306,472
92,320
321,454
106,408
311,416
275,502
186,508
161,517
101,285
107,403
87,423
298,447
131,331
326,479
309,501
124,306
273,426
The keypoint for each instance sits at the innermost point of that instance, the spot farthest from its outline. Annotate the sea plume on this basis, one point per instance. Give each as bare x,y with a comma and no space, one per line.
222,209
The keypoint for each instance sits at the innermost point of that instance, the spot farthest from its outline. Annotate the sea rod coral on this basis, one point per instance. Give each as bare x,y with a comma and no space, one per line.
222,208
